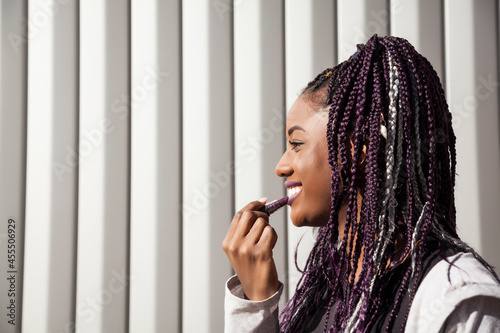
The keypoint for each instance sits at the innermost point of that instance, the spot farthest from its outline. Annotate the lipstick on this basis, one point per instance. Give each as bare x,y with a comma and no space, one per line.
273,206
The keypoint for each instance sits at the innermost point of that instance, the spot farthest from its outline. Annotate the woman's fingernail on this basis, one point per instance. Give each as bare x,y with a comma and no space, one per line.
263,200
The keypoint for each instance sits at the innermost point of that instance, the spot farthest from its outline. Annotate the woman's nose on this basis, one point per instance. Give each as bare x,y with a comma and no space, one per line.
284,167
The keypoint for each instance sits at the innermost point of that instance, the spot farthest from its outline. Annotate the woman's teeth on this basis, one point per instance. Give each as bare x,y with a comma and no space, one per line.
294,190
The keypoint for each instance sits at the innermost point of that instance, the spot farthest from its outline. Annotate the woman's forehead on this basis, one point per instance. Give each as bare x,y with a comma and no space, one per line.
305,114
300,111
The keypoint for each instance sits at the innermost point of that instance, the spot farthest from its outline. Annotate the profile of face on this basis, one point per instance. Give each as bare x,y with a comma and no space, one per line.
305,164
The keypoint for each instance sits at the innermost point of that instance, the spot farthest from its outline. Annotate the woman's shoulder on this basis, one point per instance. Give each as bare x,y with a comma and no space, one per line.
459,270
447,285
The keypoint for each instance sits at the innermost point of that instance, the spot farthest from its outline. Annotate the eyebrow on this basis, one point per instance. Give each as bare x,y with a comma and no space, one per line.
293,128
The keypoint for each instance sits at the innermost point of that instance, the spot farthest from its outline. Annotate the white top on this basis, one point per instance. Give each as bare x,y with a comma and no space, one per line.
458,297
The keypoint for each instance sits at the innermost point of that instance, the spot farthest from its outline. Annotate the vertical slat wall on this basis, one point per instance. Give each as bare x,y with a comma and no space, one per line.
358,20
12,149
155,233
51,168
104,167
207,142
471,35
421,23
131,131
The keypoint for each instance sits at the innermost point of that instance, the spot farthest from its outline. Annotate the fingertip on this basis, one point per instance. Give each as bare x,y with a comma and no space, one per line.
263,200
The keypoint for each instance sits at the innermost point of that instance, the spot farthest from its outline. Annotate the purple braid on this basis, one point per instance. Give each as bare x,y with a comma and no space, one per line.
372,195
359,133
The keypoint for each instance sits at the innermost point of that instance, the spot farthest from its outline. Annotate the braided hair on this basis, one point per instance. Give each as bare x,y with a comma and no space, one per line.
387,99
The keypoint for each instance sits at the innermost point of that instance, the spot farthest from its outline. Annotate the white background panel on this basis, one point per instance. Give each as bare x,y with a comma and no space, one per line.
421,23
103,219
358,20
51,187
155,261
208,160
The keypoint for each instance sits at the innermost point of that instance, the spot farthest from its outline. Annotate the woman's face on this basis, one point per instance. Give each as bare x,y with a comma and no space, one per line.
305,164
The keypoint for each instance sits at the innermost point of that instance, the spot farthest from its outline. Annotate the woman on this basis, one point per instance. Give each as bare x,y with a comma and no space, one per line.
380,185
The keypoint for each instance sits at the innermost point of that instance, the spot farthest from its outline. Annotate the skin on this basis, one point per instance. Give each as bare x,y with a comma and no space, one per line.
306,161
250,240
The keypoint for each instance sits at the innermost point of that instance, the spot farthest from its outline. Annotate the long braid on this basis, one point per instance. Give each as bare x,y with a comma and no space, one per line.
371,194
347,181
352,210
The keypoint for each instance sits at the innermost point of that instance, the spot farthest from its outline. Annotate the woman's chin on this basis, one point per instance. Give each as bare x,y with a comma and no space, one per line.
298,219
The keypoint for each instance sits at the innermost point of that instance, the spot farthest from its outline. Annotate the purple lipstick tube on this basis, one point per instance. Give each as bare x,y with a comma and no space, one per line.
273,206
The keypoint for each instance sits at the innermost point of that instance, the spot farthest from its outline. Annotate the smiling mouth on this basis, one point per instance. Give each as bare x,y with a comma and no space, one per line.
294,190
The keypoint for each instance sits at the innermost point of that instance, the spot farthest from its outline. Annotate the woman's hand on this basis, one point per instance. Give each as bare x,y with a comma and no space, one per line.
249,246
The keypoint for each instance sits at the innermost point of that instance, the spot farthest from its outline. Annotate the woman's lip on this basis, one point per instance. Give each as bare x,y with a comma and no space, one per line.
290,184
292,198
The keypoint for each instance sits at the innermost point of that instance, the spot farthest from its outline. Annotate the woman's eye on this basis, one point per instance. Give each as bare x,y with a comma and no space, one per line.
295,144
